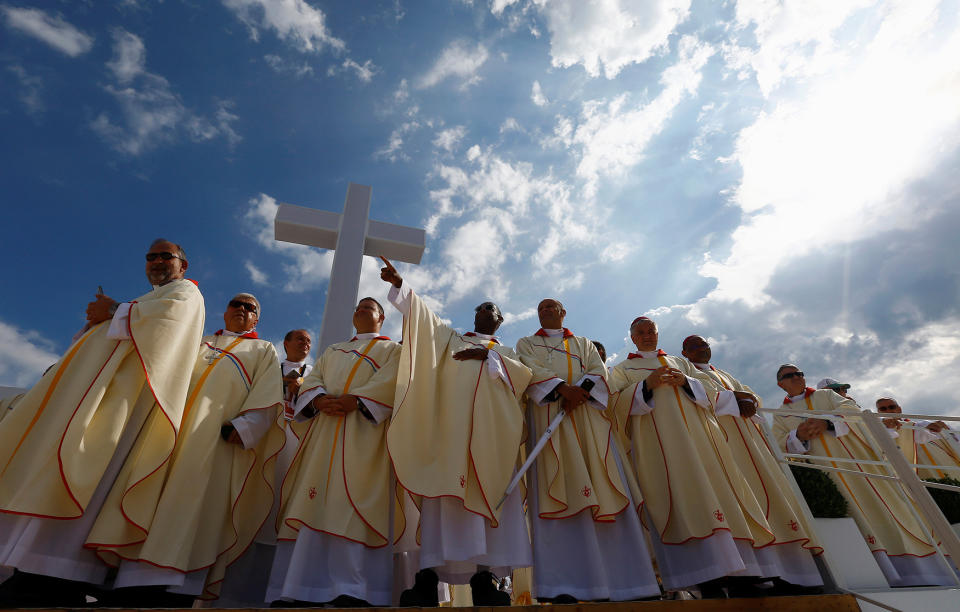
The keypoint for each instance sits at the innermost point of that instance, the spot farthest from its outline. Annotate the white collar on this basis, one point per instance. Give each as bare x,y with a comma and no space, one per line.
367,335
484,336
797,398
294,364
649,354
227,332
700,366
553,333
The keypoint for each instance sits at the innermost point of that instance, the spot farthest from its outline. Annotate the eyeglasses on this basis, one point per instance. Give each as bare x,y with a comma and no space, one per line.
791,375
889,407
245,305
164,255
487,306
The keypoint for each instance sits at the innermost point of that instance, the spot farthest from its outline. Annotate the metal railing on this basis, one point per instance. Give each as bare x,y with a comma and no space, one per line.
894,463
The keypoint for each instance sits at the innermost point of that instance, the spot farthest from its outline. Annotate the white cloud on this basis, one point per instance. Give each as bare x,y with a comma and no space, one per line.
612,135
794,39
294,21
308,268
24,356
283,66
152,113
393,150
54,31
615,252
31,87
459,60
608,35
537,95
497,6
450,138
257,276
909,373
843,148
364,72
510,318
402,93
129,57
510,125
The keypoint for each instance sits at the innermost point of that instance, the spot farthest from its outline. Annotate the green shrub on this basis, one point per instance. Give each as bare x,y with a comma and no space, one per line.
821,494
949,501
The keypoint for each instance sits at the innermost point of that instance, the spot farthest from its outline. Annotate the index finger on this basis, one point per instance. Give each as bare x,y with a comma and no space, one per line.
386,261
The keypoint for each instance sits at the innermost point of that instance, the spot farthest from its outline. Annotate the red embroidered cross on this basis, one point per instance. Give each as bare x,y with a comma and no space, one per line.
871,539
312,492
794,525
585,491
463,481
718,514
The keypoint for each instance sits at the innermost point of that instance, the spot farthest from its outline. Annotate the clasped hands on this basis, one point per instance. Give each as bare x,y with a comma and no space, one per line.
665,375
747,403
811,428
572,395
335,406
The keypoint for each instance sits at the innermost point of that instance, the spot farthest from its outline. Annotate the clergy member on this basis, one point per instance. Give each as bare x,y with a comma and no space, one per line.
922,442
588,542
64,445
789,560
705,522
454,441
218,485
337,515
897,541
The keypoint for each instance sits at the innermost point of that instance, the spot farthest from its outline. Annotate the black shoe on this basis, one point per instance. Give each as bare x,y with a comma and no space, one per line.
782,587
423,594
562,598
712,589
484,591
26,590
346,601
745,586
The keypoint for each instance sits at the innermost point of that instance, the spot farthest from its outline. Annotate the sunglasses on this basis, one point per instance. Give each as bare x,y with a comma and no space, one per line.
885,408
245,305
165,256
485,307
791,375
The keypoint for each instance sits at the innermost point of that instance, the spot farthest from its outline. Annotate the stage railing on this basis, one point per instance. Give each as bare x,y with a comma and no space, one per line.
897,468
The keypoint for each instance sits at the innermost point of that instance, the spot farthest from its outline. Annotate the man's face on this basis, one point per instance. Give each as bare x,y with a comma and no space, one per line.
645,335
888,406
792,381
161,271
551,314
367,318
487,318
241,315
298,346
697,350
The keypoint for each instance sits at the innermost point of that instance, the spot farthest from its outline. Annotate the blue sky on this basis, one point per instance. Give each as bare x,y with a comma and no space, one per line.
780,177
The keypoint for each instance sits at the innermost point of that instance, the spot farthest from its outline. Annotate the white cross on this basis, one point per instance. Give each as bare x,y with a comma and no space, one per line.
352,234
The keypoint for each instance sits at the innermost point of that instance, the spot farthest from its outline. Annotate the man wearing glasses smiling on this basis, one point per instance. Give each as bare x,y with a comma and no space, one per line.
891,531
226,445
64,446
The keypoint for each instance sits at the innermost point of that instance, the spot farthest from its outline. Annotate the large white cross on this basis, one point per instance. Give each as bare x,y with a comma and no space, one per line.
353,234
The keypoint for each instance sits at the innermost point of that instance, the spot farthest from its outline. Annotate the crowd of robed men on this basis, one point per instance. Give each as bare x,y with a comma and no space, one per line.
153,464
